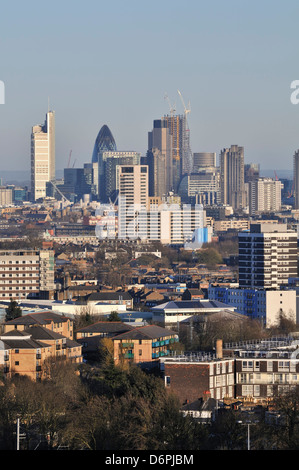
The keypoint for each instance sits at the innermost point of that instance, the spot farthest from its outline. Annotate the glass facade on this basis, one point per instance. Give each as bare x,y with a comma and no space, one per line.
104,143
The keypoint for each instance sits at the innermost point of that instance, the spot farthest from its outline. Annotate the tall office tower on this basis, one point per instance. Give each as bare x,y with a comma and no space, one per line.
182,159
232,177
24,272
91,172
159,159
267,256
132,185
104,143
42,156
264,195
296,179
251,172
111,160
202,160
157,173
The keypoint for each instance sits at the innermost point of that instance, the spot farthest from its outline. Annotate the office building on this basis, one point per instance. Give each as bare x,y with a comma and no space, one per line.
232,177
182,158
42,156
202,160
264,195
24,272
251,172
160,159
202,187
6,196
104,143
91,173
267,256
111,160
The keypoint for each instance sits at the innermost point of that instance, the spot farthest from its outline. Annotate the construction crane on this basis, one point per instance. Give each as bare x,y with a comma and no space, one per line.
69,161
64,199
188,158
172,108
186,110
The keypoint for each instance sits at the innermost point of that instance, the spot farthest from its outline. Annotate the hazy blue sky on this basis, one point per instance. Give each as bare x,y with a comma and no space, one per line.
112,62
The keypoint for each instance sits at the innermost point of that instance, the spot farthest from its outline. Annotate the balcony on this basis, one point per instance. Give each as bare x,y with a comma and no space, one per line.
127,345
129,355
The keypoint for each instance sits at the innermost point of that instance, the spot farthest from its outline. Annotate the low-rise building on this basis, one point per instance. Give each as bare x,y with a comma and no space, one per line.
57,323
260,304
90,336
251,372
144,345
31,352
171,313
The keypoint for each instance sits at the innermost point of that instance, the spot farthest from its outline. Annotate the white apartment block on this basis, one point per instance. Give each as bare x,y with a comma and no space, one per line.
132,184
24,272
264,195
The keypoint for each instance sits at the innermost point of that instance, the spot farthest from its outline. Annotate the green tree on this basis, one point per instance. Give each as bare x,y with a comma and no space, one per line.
13,311
114,317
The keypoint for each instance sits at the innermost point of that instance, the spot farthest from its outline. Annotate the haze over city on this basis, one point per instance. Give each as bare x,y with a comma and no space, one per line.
112,63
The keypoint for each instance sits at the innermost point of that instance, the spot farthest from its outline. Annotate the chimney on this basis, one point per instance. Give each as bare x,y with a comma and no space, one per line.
219,351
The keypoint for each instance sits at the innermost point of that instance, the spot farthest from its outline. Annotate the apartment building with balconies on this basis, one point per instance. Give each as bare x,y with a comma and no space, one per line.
25,272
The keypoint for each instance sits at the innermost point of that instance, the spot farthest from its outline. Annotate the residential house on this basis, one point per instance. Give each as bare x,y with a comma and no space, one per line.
90,336
53,321
30,351
144,345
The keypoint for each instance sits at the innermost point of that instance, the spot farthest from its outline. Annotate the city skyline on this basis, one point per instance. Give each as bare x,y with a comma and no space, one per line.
234,63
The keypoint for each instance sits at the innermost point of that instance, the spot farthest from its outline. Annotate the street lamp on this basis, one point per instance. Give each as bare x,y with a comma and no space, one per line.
247,423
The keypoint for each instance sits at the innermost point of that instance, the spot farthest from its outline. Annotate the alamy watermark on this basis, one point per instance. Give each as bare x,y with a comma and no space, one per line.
295,94
167,221
2,92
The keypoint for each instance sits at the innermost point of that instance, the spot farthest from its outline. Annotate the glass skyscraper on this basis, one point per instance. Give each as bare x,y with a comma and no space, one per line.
104,143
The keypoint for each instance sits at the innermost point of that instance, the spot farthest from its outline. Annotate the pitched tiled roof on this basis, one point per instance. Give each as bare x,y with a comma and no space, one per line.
20,340
146,332
38,318
106,327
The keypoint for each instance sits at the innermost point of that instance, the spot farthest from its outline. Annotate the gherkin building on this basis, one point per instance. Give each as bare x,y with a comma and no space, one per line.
104,143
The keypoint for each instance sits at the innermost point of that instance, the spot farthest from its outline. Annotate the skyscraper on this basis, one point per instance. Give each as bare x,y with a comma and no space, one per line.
42,156
202,160
296,178
232,177
159,159
104,143
111,160
181,155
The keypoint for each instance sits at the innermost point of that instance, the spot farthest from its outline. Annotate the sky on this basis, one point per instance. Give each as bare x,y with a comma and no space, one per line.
113,62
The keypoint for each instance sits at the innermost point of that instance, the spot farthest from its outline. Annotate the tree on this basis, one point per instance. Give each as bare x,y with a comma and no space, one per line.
114,317
13,311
